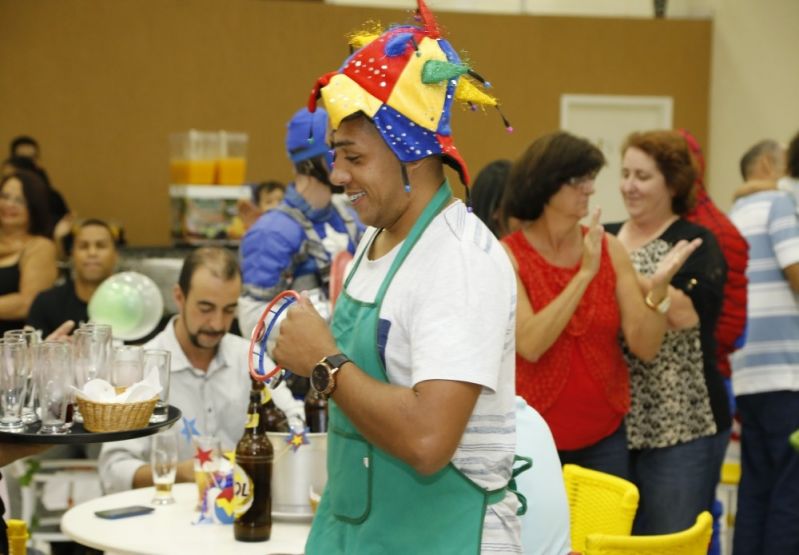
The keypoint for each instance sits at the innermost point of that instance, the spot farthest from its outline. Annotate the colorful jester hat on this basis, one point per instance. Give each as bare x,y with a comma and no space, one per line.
405,80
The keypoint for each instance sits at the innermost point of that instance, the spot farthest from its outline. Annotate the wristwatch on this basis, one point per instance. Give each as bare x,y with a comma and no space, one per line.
662,307
323,375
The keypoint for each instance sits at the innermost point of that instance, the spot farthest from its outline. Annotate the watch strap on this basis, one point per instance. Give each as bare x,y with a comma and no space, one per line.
337,361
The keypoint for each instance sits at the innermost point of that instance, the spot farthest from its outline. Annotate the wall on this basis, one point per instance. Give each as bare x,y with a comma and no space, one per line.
755,84
102,84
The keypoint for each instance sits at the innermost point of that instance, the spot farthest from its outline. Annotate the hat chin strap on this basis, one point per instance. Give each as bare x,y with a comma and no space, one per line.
405,181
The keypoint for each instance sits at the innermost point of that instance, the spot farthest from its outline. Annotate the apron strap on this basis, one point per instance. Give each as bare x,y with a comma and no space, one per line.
527,464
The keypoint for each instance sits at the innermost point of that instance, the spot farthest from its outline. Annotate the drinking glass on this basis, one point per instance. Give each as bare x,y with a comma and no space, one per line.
31,338
207,453
158,361
126,366
52,371
164,465
90,350
13,383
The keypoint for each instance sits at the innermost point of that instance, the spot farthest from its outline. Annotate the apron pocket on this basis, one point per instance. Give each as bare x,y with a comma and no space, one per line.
349,480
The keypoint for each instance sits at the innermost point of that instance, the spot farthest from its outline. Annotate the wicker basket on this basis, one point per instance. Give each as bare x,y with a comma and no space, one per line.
115,417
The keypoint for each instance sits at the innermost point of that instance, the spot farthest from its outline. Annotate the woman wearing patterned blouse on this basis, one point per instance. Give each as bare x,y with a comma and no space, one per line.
679,421
577,291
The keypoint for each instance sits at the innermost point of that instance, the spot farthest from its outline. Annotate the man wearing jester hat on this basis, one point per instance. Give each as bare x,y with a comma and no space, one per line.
419,360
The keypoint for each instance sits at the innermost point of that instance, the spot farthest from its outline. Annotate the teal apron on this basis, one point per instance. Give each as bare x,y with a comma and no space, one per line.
374,502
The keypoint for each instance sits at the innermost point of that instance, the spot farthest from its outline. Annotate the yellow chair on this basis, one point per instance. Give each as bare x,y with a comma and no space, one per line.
693,541
599,503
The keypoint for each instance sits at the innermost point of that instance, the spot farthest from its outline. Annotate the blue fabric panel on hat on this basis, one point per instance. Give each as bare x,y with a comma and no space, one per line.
397,44
408,141
444,127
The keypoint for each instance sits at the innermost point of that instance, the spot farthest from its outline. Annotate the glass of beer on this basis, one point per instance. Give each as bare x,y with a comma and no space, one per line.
164,464
207,453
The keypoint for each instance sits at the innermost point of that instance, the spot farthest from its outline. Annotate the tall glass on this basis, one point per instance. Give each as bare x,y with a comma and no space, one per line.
164,465
13,383
92,344
158,361
31,338
53,375
126,366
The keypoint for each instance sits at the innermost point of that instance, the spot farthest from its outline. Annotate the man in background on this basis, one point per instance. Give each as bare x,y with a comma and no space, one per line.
293,245
209,380
94,257
766,370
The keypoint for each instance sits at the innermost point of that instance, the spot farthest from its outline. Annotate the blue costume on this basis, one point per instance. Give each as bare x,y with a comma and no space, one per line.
290,247
293,245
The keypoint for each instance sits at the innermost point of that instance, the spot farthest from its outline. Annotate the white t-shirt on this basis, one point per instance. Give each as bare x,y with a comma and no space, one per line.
450,314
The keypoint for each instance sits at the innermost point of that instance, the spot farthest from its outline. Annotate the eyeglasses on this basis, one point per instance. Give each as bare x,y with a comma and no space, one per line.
19,201
581,183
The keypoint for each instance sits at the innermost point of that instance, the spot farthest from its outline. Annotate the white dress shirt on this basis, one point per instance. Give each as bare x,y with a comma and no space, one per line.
213,403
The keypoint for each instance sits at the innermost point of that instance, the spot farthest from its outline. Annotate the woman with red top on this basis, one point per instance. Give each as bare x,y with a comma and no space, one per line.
577,290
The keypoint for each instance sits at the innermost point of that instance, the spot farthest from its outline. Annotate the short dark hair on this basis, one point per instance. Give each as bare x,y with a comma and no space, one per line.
19,141
316,167
37,199
96,222
268,187
547,164
486,194
670,152
793,157
221,262
768,147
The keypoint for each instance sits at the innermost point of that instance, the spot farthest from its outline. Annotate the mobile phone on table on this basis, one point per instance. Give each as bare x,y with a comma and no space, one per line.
124,512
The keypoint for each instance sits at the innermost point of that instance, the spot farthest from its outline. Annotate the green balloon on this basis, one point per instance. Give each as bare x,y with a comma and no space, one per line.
130,302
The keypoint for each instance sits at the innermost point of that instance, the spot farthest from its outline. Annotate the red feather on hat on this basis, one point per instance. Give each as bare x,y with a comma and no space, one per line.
428,20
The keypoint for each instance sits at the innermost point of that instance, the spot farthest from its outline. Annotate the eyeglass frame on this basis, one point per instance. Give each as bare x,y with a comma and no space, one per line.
579,183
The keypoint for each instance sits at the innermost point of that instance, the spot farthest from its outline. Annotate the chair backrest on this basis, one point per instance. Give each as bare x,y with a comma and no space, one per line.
693,541
599,503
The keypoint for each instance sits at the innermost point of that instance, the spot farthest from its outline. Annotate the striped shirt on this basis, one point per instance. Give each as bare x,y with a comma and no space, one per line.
450,314
769,361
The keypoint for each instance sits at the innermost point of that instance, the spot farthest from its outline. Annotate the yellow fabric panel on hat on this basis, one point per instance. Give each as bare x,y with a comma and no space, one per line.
344,97
422,104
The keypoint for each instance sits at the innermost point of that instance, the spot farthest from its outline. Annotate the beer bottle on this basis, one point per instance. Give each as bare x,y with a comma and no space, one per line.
315,412
269,412
253,478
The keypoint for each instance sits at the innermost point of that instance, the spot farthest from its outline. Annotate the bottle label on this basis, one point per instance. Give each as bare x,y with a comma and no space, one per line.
242,491
266,395
252,420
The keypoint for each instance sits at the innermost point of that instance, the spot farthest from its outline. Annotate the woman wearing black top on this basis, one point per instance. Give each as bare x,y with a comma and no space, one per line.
679,421
27,254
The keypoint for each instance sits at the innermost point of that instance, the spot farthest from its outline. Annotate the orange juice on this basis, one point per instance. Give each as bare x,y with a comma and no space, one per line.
231,171
199,172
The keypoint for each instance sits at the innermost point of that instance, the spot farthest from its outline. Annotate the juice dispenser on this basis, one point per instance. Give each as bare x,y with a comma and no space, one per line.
193,157
232,164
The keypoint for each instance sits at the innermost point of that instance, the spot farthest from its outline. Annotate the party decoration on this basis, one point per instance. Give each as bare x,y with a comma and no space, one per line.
130,302
405,80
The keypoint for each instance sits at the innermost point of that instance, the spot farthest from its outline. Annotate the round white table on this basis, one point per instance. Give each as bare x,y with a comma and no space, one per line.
169,529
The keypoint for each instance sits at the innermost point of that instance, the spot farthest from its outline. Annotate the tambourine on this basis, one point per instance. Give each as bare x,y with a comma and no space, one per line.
264,337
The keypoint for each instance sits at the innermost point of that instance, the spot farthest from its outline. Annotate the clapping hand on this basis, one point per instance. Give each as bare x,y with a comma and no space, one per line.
592,245
671,264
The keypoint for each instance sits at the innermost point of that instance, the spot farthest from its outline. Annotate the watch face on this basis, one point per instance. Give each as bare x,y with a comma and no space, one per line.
320,377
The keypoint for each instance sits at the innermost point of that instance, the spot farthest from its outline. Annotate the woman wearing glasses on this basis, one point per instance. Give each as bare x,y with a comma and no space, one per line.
576,291
678,424
27,254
